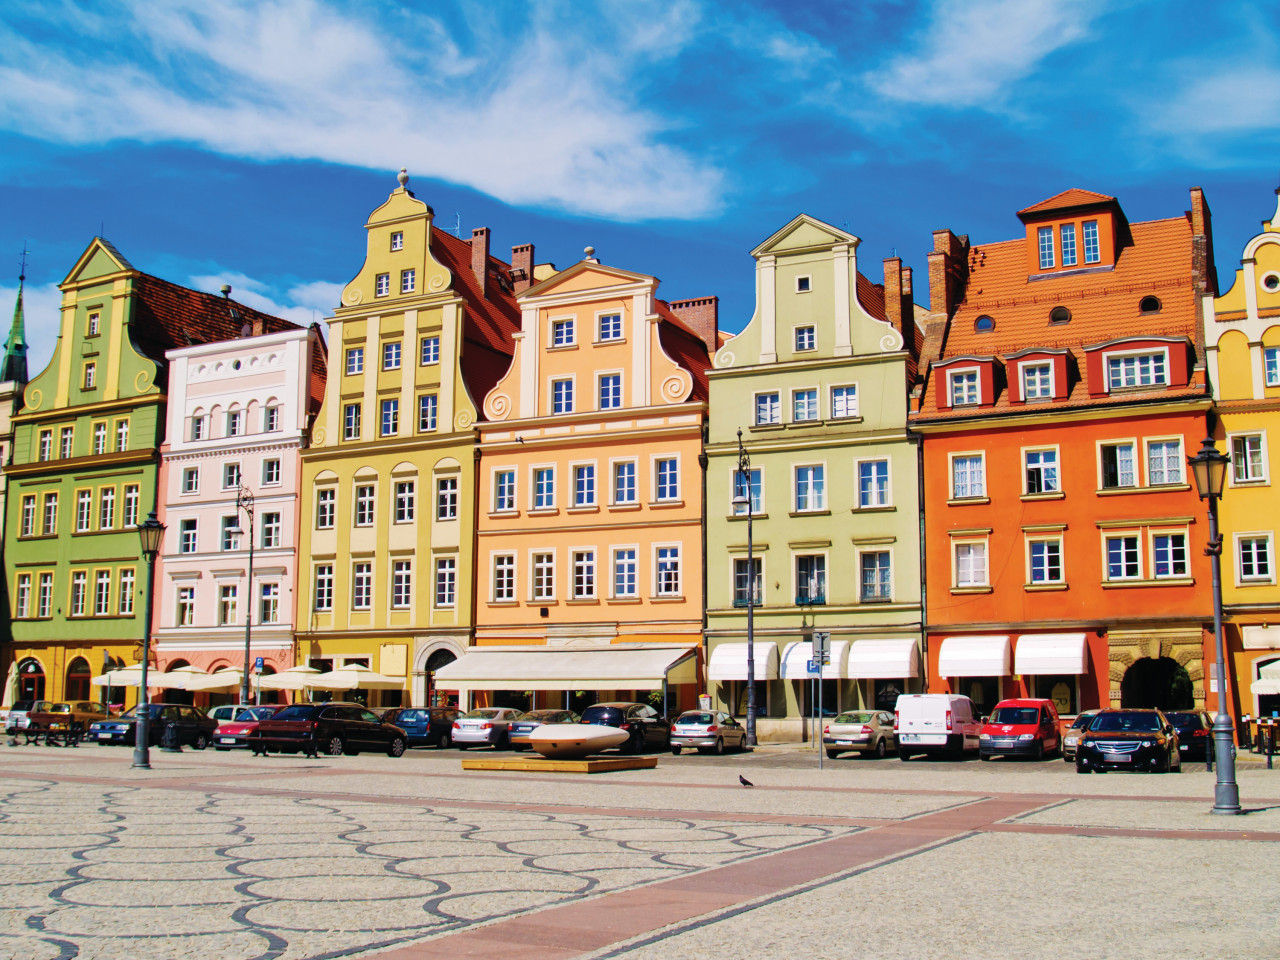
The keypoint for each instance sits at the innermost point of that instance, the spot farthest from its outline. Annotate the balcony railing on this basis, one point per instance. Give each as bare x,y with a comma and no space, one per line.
811,599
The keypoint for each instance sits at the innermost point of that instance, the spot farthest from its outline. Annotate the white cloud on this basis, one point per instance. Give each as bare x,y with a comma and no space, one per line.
542,111
42,313
303,303
970,53
1220,100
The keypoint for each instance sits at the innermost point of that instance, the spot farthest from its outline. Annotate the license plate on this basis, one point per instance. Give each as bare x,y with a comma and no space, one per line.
1117,758
910,738
104,736
844,741
1182,748
226,739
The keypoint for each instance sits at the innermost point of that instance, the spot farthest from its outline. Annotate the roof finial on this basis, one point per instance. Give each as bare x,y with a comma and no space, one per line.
590,252
403,176
22,269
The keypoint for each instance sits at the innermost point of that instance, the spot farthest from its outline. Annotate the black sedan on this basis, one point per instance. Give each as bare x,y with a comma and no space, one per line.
332,728
1195,733
1129,740
647,728
191,727
424,726
518,732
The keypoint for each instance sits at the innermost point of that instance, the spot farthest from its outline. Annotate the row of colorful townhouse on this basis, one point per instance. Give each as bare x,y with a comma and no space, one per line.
519,485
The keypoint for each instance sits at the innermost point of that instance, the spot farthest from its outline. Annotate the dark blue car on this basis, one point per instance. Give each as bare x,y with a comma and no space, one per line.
425,726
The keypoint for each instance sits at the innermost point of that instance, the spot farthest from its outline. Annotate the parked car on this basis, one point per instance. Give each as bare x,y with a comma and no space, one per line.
518,733
647,727
81,711
227,712
1071,738
484,726
334,728
1020,728
192,727
1195,733
869,732
943,724
1129,740
18,713
233,734
709,731
424,726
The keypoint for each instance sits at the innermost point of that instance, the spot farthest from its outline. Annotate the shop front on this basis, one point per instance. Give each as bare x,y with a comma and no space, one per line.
977,667
386,658
1050,665
727,681
882,670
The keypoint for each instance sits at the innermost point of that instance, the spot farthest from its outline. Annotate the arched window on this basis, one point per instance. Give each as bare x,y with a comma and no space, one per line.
1059,315
1149,305
984,324
30,680
78,674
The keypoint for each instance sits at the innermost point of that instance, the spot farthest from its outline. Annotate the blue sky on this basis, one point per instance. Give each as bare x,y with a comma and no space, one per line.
246,142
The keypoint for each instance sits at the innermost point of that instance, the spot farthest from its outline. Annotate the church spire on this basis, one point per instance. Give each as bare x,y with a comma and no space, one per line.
14,365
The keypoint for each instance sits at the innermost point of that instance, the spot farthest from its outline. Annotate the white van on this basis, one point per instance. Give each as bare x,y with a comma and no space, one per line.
936,723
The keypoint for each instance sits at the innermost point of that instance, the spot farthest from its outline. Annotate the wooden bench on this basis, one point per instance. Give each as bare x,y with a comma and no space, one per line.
56,730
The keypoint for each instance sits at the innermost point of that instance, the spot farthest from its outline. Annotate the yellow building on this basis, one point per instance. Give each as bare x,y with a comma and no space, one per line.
1242,336
422,334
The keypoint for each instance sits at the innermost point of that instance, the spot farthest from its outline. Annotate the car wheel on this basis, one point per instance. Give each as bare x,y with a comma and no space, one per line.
675,751
396,747
334,747
1081,769
719,748
832,754
463,746
882,749
904,754
985,757
445,741
1038,753
201,741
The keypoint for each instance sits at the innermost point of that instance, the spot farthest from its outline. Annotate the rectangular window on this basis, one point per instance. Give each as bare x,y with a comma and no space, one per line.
269,605
967,477
191,480
228,594
1044,237
84,511
810,489
1092,252
130,517
668,572
964,388
504,490
405,496
1140,370
1122,558
584,485
624,482
748,492
44,599
408,280
1271,365
90,376
391,355
1164,461
95,324
126,591
971,564
668,477
186,613
562,333
1118,466
355,360
382,284
67,444
811,579
364,505
270,419
230,476
22,599
584,574
99,439
1169,554
1255,558
611,391
351,421
611,326
270,472
122,436
326,504
429,351
362,586
28,516
844,402
804,405
873,483
187,536
1042,471
1037,381
107,509
428,407
748,581
768,408
1246,458
447,498
876,576
46,445
390,417
504,577
271,528
544,488
544,576
199,427
562,396
102,594
1067,236
50,518
231,533
235,423
806,338
397,240
446,582
1046,561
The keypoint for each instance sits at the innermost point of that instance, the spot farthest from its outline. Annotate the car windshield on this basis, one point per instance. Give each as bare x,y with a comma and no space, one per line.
21,705
1125,723
1184,720
1083,721
855,718
258,713
695,718
153,710
1013,715
482,713
299,711
545,716
601,715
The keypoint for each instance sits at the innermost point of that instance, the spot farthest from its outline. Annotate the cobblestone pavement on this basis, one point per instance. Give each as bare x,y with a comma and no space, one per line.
227,856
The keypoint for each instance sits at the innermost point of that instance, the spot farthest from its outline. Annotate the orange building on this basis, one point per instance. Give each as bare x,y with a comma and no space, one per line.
1063,390
589,556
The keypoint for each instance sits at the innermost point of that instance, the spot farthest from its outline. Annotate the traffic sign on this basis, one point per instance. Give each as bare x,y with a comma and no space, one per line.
257,664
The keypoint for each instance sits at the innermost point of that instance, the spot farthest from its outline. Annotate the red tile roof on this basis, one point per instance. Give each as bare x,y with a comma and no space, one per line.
319,369
684,347
1075,197
871,296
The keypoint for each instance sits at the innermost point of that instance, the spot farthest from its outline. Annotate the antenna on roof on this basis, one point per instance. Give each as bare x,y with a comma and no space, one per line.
102,229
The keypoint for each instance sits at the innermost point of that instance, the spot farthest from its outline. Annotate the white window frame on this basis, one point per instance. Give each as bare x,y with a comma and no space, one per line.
405,494
658,589
512,506
1266,536
614,463
190,480
552,383
271,466
1180,460
1107,537
777,408
534,468
876,503
354,361
600,397
804,283
956,372
389,417
796,332
362,592
429,350
821,504
1264,478
825,591
858,554
1046,256
816,395
322,596
1066,243
508,578
430,401
408,280
1024,368
381,284
981,455
832,399
392,355
397,240
1161,352
1026,469
587,570
535,572
326,504
755,480
622,331
634,561
575,466
1094,255
1158,531
358,501
401,584
1271,366
969,542
352,420
558,324
655,465
448,494
1132,443
1029,541
445,587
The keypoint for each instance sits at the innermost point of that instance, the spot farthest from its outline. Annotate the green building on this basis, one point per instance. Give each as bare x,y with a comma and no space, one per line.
815,390
84,468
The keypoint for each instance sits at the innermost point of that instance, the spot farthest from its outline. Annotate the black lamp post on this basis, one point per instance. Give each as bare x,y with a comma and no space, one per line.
151,532
1209,468
744,496
244,501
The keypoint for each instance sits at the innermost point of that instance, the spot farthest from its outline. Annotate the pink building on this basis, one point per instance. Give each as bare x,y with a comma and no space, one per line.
239,414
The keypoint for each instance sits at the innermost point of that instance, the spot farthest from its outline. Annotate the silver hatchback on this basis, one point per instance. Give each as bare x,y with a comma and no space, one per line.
711,731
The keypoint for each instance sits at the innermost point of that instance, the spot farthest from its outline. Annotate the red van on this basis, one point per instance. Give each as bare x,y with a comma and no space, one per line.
1020,728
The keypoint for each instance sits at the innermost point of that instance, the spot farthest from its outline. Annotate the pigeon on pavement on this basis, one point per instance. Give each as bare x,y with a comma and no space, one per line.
744,781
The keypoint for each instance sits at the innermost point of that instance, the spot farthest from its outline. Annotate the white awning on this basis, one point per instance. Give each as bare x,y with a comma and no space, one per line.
1262,688
569,668
797,654
974,657
883,659
729,661
1270,671
1039,654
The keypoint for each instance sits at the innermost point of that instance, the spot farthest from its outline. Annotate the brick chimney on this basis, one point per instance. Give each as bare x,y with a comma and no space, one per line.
480,258
257,325
522,267
702,316
898,305
948,274
1204,275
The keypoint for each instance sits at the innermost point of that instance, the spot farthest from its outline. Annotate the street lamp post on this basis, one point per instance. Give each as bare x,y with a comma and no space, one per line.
244,501
742,496
1209,467
151,532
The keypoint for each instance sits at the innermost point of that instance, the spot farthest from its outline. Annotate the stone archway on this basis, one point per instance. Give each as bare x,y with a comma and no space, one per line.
1184,646
1159,682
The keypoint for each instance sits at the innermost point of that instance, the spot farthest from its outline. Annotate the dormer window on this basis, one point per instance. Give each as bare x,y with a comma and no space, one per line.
1137,370
1092,252
984,324
1037,381
1059,315
964,388
1067,238
1149,305
1045,243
